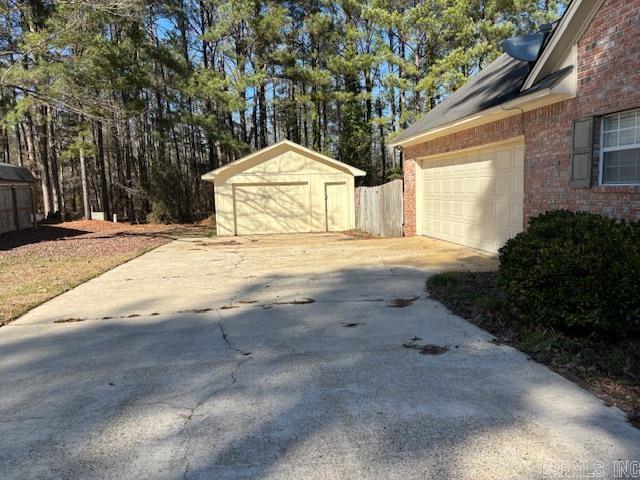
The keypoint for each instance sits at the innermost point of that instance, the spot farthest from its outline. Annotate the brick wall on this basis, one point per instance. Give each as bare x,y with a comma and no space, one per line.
608,73
409,200
489,133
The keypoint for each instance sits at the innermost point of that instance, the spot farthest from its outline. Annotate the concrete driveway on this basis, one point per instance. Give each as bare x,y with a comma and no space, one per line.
283,357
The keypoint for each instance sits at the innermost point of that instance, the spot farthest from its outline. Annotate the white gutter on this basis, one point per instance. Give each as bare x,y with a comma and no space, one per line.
541,98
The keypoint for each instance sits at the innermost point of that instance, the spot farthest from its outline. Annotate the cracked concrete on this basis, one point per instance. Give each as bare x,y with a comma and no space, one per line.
161,382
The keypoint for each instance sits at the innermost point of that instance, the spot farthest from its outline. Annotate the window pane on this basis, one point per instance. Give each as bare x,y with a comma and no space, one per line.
621,167
628,120
610,123
611,139
627,137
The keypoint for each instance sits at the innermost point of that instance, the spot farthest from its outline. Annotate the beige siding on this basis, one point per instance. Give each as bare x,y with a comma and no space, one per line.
284,192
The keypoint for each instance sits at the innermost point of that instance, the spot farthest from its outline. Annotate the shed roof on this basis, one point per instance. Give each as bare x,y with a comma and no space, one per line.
284,145
13,173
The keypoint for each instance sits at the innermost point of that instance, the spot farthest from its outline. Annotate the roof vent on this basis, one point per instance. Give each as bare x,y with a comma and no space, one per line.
528,47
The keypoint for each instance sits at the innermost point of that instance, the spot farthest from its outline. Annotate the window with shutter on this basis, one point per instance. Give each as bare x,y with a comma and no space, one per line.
582,153
620,149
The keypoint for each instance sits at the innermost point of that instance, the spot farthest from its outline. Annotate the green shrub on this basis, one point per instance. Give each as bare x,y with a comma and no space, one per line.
576,272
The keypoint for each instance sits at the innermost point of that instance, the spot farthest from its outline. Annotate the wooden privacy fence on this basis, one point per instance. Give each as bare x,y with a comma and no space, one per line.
17,207
379,209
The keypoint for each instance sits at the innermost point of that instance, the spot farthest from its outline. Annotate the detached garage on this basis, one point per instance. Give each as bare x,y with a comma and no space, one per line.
284,188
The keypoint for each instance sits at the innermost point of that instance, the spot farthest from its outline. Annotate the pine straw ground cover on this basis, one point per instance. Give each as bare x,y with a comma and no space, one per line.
39,264
611,370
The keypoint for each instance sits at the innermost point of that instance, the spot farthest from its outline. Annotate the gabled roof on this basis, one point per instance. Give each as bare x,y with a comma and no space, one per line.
507,82
497,83
285,145
13,173
569,29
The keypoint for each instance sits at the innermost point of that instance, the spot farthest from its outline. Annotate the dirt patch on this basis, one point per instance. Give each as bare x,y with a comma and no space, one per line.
351,325
426,349
402,302
357,235
69,320
225,243
304,301
199,310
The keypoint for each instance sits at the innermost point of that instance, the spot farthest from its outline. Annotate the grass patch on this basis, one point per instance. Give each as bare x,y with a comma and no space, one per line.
32,280
610,370
39,264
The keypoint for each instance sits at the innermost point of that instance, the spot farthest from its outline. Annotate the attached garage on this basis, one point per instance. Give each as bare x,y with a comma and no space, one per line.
284,188
472,197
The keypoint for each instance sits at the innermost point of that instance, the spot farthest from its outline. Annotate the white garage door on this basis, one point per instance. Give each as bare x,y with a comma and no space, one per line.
474,198
271,208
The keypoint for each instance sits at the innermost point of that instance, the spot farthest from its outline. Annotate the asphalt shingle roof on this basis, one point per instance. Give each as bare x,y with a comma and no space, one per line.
12,173
498,83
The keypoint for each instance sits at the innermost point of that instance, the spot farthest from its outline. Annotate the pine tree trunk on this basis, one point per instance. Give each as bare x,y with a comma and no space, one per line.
100,156
43,148
86,207
55,173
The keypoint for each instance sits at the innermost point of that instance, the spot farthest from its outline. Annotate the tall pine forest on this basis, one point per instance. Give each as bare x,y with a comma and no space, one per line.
121,105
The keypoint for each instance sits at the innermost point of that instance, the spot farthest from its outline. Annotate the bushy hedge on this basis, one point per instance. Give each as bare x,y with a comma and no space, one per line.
576,272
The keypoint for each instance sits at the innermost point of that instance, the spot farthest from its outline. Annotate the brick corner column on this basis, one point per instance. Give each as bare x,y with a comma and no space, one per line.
409,197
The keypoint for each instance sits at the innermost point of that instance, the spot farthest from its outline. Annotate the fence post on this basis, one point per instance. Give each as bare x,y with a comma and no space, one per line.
14,201
34,209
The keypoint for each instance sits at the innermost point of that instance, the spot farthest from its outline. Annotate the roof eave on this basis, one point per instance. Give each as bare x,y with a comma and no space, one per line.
538,99
565,35
212,175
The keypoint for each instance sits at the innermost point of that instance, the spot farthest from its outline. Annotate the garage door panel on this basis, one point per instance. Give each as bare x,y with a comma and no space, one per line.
502,211
475,199
504,159
518,157
504,185
518,183
517,217
458,231
272,208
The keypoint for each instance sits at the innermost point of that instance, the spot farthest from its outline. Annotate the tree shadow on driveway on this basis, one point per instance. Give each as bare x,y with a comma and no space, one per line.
274,388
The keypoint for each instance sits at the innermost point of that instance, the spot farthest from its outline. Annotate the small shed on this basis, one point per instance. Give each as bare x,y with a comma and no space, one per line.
284,188
17,198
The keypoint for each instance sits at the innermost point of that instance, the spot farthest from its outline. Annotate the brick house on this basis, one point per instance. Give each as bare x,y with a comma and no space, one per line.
522,138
